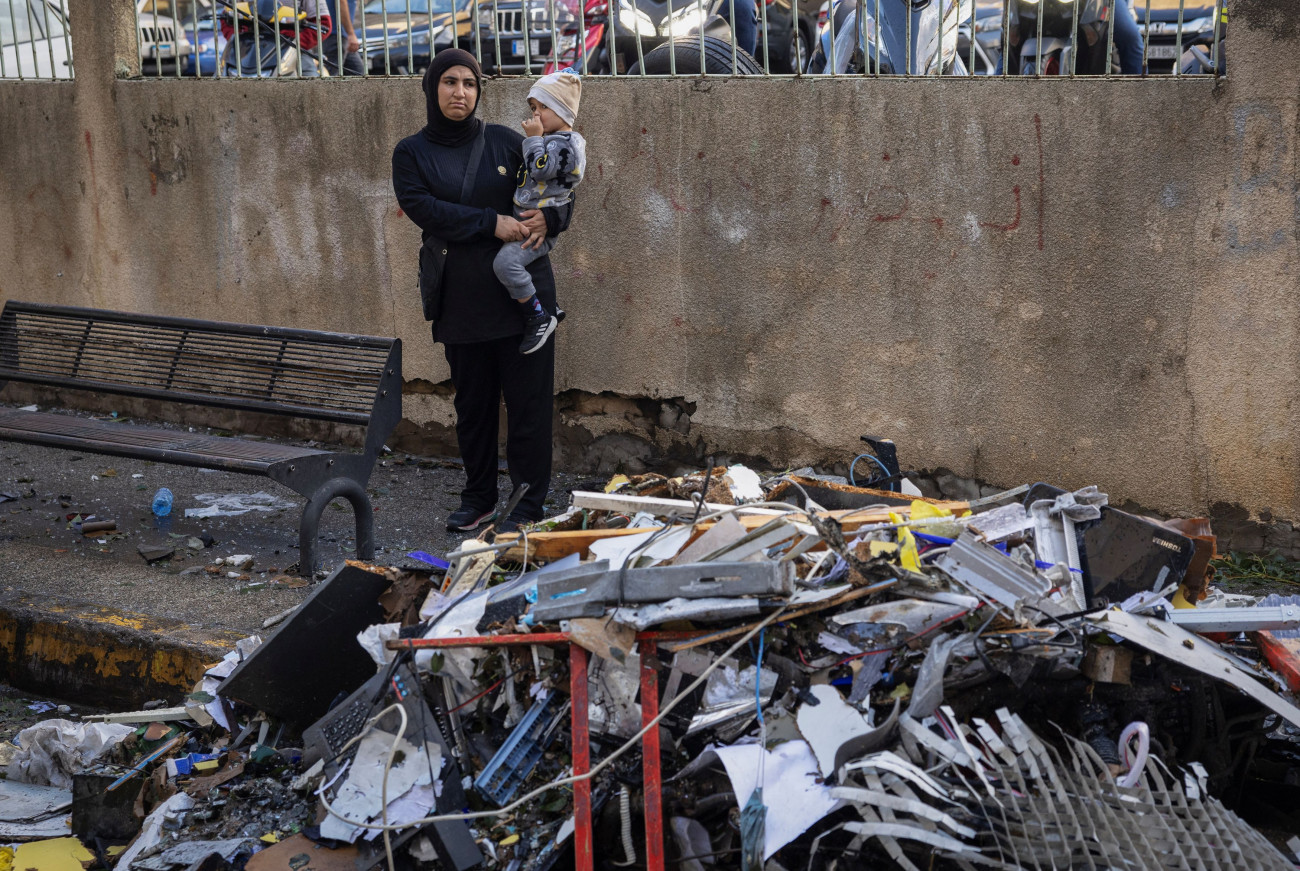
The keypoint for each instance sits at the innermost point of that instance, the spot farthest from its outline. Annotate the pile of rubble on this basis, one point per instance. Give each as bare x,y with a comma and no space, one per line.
720,671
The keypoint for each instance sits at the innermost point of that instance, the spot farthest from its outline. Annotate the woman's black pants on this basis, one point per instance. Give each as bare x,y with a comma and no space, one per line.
483,372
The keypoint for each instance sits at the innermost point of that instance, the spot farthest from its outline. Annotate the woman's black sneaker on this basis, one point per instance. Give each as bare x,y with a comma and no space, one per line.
468,519
537,329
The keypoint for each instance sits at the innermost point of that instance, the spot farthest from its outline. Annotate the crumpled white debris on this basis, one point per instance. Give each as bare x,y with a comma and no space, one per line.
53,750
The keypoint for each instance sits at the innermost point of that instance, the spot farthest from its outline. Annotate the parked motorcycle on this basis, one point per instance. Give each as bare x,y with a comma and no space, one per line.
910,37
1066,47
1202,56
270,39
700,41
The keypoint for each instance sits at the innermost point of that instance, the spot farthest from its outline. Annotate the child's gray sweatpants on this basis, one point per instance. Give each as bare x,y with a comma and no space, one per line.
511,266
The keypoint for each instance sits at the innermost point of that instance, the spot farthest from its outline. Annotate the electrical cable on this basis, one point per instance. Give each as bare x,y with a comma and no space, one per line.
564,781
876,460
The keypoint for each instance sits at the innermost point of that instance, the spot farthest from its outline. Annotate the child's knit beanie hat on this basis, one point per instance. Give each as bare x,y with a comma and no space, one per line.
560,92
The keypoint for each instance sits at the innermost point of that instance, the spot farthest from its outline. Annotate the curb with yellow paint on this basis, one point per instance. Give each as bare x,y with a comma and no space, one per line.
100,657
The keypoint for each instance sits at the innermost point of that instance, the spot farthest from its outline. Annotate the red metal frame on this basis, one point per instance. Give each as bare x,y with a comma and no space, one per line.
652,773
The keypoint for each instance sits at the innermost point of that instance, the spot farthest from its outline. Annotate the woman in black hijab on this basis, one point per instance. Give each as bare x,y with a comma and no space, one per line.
473,315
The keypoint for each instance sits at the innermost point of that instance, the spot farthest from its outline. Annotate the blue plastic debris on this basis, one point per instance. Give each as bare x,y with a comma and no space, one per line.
429,558
517,758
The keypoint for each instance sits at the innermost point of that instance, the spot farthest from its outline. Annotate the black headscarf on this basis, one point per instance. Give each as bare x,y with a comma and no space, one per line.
441,129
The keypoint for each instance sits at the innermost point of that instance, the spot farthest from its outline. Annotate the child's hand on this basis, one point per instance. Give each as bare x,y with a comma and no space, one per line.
533,126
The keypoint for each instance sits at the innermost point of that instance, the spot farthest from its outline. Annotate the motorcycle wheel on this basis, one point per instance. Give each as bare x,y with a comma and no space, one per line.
685,51
798,50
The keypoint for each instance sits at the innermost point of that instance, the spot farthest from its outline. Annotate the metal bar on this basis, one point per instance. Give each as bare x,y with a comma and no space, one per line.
583,857
525,639
478,33
703,65
1110,37
877,29
651,774
1146,40
555,38
1006,37
732,7
795,6
321,69
1178,41
3,72
257,39
297,38
672,54
1214,48
383,18
49,43
67,40
496,35
830,22
640,49
1038,66
970,68
234,16
907,49
610,45
365,53
528,38
767,67
194,20
860,35
1074,28
340,41
410,43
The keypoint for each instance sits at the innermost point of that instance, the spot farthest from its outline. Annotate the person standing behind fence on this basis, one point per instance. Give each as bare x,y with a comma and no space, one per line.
344,13
465,209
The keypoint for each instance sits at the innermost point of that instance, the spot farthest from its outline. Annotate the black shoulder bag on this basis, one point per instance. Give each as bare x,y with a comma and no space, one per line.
433,253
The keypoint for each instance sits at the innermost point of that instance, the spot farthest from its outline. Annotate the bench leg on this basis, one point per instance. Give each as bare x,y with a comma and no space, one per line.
311,514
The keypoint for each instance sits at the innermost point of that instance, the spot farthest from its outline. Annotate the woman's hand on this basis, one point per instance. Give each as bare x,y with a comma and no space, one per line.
510,230
534,224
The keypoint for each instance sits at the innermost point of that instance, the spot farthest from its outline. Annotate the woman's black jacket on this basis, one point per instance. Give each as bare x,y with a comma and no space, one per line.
427,179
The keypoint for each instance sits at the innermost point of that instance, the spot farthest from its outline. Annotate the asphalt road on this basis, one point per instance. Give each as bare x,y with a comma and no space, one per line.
41,554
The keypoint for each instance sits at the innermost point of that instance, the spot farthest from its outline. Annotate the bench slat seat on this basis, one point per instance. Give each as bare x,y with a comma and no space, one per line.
147,442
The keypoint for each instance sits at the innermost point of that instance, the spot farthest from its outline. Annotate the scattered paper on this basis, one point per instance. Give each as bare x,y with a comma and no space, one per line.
411,792
151,833
790,778
618,548
373,638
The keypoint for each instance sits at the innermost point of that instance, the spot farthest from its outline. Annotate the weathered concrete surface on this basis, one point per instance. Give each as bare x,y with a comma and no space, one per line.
1085,282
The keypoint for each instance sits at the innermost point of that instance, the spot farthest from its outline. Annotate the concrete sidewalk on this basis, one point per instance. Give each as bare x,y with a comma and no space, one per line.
43,559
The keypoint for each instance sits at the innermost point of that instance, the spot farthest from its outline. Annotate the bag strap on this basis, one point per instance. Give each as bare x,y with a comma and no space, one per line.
471,171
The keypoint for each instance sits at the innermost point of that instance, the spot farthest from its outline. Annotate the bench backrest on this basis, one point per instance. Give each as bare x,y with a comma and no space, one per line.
276,370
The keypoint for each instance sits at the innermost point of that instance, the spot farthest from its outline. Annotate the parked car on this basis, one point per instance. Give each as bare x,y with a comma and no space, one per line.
206,44
395,34
34,40
163,43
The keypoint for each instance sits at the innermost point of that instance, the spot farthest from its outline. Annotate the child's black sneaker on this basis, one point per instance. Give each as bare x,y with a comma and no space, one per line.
537,329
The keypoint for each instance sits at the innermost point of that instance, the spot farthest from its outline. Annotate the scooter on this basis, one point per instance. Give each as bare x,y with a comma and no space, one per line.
1058,45
893,37
264,42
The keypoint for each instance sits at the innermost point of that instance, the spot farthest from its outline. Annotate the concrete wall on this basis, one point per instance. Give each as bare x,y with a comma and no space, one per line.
1078,281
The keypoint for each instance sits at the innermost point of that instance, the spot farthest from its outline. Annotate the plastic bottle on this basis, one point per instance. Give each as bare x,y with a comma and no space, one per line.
162,502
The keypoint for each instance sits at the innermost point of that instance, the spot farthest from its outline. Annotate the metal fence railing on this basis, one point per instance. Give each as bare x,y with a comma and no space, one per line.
640,38
34,40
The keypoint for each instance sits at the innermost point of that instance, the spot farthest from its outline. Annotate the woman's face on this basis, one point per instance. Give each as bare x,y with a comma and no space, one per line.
457,93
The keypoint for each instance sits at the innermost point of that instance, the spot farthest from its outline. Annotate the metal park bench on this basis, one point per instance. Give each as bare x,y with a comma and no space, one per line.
269,370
